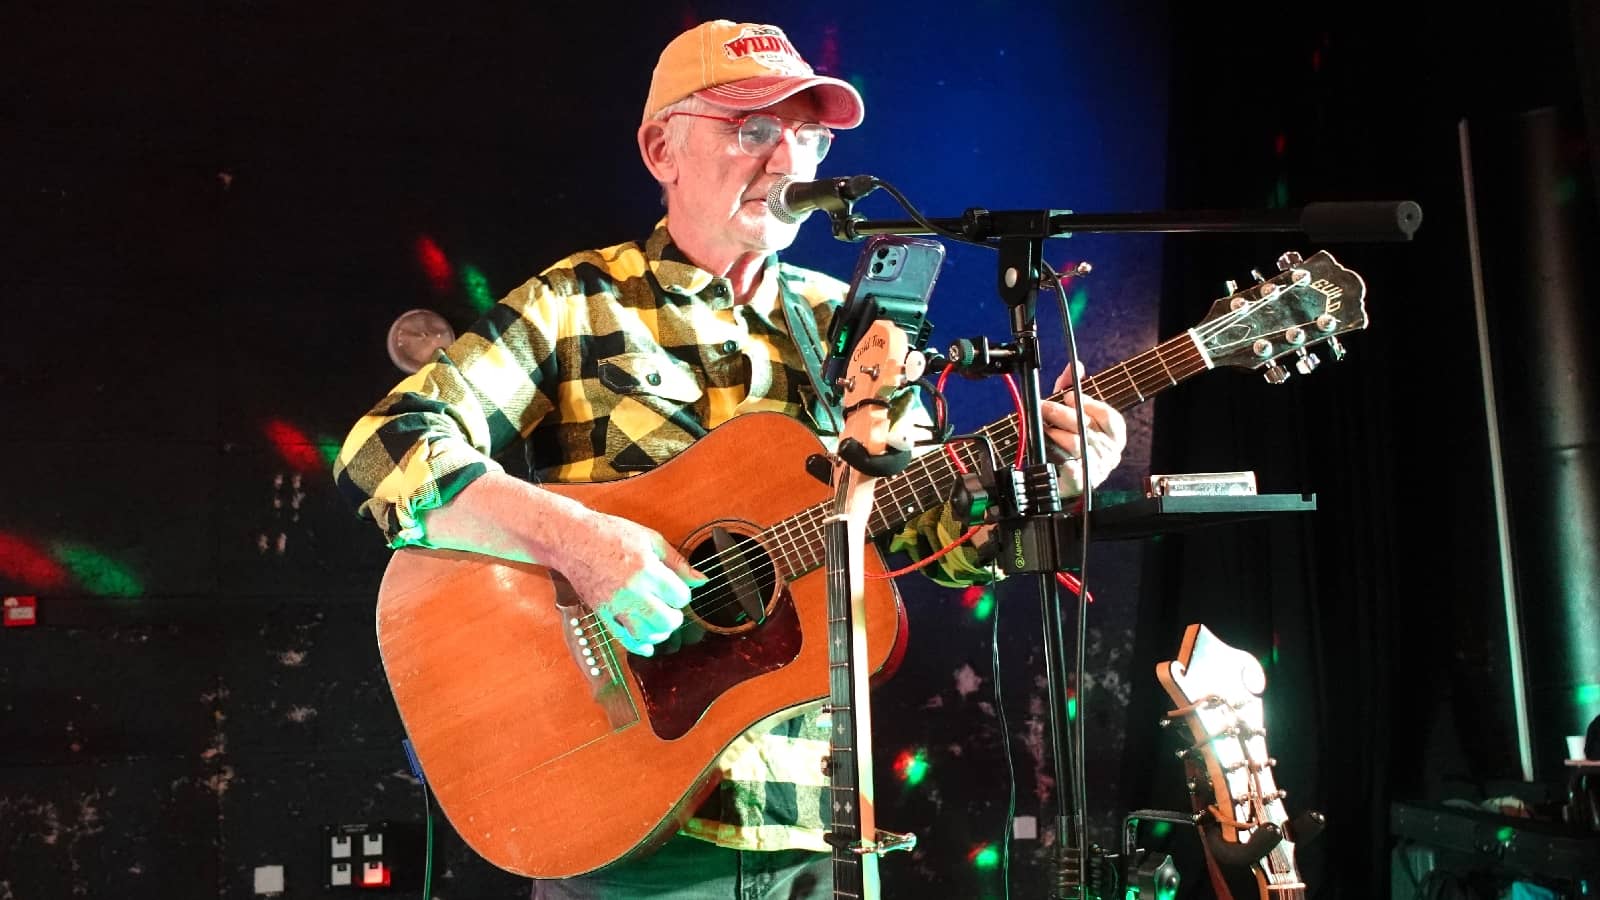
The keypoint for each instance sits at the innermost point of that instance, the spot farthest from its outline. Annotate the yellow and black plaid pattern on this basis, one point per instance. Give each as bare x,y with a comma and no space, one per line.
611,362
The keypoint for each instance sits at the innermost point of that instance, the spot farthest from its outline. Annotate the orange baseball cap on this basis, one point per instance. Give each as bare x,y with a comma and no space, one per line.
745,66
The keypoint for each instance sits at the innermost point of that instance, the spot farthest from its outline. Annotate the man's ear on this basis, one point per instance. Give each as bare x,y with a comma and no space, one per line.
657,152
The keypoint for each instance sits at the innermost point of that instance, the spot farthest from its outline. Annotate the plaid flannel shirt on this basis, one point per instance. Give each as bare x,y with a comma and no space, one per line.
609,363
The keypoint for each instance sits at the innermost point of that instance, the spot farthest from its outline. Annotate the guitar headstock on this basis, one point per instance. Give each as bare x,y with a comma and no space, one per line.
1217,690
881,366
1308,302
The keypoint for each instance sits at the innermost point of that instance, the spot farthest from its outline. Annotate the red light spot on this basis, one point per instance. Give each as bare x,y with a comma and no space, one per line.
294,446
434,264
1316,60
903,763
21,561
828,56
1279,143
971,596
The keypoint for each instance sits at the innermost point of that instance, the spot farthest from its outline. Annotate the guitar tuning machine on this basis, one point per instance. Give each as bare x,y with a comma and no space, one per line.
1307,362
1256,274
1289,260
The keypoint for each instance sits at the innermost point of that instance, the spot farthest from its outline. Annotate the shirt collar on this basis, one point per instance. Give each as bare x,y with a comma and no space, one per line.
677,275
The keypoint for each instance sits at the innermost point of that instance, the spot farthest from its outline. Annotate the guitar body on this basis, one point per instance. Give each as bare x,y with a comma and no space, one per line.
550,763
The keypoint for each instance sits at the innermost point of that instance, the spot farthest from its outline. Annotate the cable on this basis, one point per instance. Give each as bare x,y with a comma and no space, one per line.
1011,764
1080,785
427,850
966,536
917,217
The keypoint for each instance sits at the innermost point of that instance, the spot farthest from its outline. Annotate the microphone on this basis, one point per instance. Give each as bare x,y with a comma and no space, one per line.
789,201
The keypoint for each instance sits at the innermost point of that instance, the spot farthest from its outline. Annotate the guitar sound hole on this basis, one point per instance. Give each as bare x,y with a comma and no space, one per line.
741,580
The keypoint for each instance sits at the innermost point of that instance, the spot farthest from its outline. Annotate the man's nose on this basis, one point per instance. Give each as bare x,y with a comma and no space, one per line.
786,154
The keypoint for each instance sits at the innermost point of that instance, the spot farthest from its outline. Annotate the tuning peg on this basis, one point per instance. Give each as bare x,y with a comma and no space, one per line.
1336,348
1307,362
1256,274
1231,286
1275,374
1289,260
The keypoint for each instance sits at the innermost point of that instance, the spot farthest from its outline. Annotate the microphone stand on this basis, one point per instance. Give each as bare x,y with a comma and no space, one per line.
1031,506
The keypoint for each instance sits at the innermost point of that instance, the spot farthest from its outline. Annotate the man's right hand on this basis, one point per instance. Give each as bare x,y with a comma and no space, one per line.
627,573
632,578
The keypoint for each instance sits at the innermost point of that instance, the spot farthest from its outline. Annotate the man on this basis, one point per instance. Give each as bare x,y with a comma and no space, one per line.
611,362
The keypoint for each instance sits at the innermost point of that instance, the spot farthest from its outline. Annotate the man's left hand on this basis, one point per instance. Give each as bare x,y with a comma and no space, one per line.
1108,437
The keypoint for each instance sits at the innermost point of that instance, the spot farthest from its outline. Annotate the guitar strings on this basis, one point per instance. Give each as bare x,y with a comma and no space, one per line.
751,550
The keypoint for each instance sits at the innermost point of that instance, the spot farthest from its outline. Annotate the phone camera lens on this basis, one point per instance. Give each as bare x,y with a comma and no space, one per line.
877,267
883,252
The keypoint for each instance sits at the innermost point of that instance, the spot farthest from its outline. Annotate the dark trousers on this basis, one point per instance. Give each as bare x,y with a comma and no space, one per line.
686,868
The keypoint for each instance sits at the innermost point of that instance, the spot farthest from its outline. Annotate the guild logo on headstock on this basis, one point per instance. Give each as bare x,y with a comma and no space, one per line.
1329,289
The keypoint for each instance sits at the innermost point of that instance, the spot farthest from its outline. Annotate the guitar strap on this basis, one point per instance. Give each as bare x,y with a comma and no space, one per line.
825,417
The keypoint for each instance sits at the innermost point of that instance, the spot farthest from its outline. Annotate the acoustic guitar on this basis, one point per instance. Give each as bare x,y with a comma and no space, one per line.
530,722
1239,808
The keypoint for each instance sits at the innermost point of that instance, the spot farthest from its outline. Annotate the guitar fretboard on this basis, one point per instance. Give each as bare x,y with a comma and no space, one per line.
844,782
796,543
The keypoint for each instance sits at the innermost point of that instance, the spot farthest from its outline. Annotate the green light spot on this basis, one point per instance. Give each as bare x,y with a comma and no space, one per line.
98,573
1505,834
1161,829
1077,303
329,448
985,606
1166,892
1588,694
477,288
987,858
1072,708
912,766
1566,190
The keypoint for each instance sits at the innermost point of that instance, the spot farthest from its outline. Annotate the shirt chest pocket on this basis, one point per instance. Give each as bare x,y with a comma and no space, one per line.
647,375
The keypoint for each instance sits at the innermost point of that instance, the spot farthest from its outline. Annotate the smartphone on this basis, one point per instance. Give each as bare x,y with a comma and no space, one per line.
893,280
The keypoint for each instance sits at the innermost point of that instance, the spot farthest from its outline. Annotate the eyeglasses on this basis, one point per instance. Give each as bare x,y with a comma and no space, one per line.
759,133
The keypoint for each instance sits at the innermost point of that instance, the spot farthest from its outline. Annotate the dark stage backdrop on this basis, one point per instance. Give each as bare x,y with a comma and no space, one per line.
1381,617
216,213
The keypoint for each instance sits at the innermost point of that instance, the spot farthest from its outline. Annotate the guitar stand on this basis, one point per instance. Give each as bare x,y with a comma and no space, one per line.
1236,853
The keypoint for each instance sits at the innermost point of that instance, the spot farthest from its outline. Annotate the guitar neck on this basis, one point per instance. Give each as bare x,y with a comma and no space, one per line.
928,481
